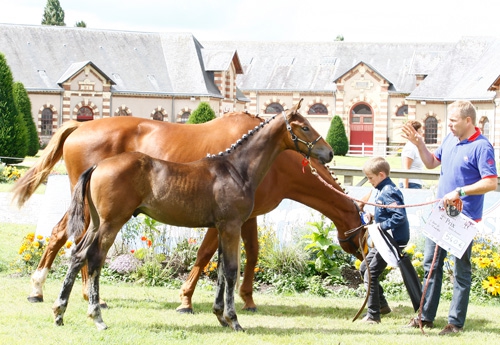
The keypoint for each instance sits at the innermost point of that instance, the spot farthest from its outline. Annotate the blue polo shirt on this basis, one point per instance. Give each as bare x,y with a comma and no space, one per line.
463,163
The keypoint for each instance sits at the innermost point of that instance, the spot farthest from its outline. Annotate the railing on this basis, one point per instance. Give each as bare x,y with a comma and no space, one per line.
369,150
350,172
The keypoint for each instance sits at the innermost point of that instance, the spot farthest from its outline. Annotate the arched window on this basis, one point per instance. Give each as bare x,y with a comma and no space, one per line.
47,117
402,111
184,117
361,114
318,109
158,116
121,112
84,114
430,127
274,108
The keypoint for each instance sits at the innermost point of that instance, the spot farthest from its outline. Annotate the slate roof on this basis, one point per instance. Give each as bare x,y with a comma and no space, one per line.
178,64
314,66
137,62
467,72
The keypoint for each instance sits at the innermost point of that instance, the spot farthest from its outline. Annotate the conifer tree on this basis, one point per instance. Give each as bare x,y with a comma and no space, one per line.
202,114
53,14
13,135
337,137
23,105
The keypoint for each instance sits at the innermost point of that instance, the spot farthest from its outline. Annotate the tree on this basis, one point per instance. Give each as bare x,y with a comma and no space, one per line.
81,24
23,105
202,114
53,14
337,138
13,134
339,38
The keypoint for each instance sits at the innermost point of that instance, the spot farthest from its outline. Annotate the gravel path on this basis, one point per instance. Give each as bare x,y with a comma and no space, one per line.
29,214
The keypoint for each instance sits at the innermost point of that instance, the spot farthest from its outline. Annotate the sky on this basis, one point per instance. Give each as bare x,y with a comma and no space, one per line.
277,20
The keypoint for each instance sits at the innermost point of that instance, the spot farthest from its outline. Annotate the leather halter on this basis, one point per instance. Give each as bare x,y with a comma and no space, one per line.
296,140
353,232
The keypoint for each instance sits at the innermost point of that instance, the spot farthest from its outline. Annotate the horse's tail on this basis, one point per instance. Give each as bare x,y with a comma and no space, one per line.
29,182
76,212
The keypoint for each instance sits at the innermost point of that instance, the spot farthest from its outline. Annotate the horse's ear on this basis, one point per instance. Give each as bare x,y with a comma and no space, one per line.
296,107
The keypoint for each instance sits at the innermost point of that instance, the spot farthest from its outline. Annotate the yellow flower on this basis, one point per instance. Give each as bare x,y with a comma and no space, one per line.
416,263
36,244
39,237
492,286
27,257
68,244
410,248
357,263
418,255
30,237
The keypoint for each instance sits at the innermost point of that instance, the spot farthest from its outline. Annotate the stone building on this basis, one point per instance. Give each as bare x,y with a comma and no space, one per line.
83,74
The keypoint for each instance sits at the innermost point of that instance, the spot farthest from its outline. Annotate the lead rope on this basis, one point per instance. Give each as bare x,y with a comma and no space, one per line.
361,239
315,173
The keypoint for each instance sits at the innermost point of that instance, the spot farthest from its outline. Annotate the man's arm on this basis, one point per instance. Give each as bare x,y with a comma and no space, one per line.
482,186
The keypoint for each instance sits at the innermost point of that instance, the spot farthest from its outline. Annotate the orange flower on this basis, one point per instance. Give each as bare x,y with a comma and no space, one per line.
144,238
150,243
132,251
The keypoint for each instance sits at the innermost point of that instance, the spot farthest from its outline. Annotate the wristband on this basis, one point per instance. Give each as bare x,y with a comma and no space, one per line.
460,191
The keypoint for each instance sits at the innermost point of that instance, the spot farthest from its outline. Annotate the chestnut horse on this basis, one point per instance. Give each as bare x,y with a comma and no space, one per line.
83,144
217,191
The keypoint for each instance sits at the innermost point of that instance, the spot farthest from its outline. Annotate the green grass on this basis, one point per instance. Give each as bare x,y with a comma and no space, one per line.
146,315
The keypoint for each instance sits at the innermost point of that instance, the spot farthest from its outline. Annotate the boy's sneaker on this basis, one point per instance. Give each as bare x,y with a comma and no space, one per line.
385,310
367,319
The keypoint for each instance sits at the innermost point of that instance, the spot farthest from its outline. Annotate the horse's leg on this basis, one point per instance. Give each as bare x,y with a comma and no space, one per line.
60,305
58,238
251,242
205,252
229,250
218,307
95,262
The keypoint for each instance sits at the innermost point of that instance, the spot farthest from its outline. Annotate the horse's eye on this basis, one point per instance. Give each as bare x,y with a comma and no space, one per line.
305,129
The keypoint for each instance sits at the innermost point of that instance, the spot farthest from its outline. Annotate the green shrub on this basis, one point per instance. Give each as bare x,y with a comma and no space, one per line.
202,114
337,137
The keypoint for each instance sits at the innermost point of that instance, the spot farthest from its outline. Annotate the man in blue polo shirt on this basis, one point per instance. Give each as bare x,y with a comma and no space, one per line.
468,171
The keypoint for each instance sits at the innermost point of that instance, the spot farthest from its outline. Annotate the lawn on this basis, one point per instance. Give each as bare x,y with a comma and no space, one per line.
147,315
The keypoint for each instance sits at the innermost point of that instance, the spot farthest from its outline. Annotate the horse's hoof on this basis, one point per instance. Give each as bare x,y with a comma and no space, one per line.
253,310
184,310
35,299
238,328
103,305
101,326
59,321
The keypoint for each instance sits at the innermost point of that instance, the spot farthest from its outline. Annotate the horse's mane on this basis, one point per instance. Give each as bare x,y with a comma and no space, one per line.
237,113
245,136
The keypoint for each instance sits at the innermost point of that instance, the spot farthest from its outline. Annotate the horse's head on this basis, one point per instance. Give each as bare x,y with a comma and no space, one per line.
305,138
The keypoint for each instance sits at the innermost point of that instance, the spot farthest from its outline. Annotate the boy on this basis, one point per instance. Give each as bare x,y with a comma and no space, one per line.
377,171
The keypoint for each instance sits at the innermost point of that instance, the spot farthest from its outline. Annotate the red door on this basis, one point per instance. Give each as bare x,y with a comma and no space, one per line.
361,128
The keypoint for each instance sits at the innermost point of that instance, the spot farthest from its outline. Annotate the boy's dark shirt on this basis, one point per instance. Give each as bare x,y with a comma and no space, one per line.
394,219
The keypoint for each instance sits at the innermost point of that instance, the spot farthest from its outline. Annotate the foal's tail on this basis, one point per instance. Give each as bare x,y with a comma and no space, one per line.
29,182
76,212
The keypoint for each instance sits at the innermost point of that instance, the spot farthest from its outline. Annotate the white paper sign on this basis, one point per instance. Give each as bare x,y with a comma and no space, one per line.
383,248
453,234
